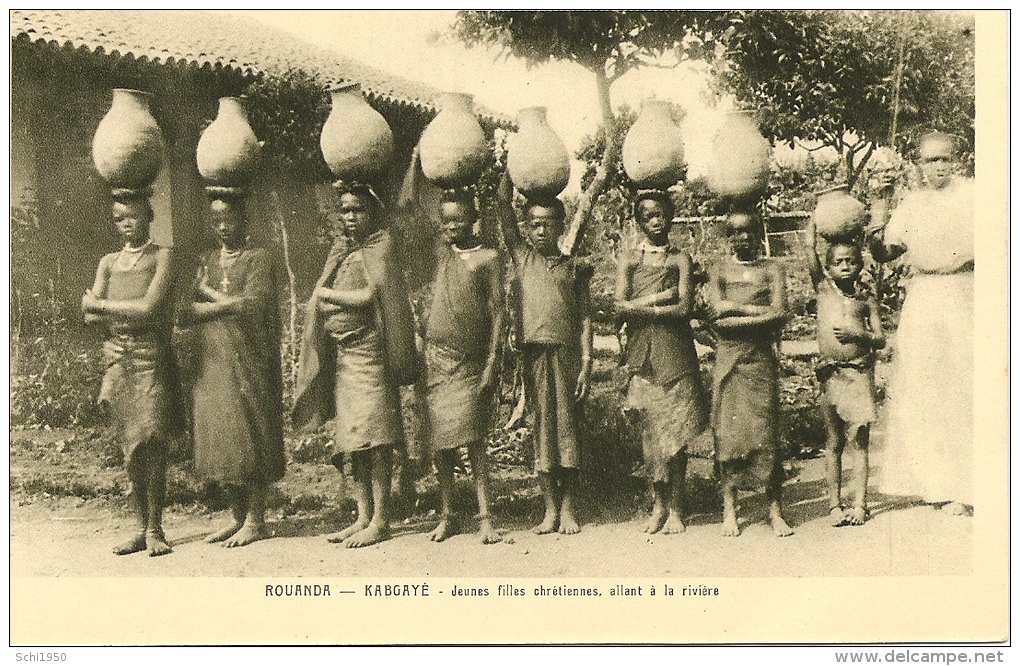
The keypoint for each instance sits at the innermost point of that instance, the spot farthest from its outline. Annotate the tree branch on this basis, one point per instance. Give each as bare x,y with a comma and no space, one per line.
572,239
856,173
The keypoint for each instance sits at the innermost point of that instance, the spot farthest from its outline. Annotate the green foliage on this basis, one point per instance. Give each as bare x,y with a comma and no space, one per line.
606,43
832,75
55,379
288,112
613,42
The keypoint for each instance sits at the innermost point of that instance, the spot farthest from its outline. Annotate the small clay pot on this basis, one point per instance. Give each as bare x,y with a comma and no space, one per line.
356,141
127,148
653,150
228,151
837,215
537,160
453,148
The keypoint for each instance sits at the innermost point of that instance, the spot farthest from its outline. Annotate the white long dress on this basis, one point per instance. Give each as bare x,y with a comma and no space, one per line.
930,431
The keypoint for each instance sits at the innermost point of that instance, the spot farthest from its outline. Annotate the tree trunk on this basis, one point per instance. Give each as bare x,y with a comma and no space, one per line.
281,225
572,239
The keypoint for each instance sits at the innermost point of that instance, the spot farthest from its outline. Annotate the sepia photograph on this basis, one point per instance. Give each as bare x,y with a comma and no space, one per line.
384,325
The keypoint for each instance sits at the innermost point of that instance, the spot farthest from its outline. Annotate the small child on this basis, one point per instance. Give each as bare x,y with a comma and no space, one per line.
131,296
849,330
747,297
555,338
463,336
655,295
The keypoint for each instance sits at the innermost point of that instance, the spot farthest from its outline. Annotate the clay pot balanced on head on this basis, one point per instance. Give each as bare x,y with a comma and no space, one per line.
537,160
127,148
453,148
740,159
839,216
228,151
356,141
653,150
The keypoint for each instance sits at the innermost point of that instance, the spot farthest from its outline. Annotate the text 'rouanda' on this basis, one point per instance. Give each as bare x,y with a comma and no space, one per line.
297,590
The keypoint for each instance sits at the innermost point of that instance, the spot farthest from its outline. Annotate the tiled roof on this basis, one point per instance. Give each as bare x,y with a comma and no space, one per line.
213,39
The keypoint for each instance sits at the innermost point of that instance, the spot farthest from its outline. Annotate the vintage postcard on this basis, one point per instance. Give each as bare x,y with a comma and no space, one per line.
360,328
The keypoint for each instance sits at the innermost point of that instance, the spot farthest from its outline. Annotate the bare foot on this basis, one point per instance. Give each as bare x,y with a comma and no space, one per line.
246,535
374,533
568,525
655,521
549,525
337,537
135,544
838,517
730,527
856,516
489,535
955,509
674,524
224,533
779,526
155,543
444,530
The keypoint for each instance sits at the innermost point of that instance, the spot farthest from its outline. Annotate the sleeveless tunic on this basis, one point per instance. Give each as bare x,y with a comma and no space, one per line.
745,396
665,390
138,388
457,343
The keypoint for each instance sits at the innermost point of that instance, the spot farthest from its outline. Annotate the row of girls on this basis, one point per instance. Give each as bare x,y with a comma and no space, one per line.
359,342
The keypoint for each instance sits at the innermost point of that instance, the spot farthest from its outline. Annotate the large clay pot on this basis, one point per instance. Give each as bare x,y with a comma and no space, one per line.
454,151
127,148
740,158
837,215
356,141
653,151
537,160
228,151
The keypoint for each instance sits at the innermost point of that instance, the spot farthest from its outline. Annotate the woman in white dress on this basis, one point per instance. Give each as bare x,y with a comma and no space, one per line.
929,449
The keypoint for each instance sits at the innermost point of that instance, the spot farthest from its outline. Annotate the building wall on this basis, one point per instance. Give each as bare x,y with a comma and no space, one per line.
59,96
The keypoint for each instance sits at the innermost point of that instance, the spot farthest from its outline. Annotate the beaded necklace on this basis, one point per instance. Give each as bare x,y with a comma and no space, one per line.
131,254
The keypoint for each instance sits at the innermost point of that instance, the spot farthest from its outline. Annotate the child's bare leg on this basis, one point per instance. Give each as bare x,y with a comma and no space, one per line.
730,527
480,466
378,528
361,470
834,443
140,507
237,499
254,527
407,495
568,487
774,493
444,471
677,478
859,446
551,522
155,540
659,510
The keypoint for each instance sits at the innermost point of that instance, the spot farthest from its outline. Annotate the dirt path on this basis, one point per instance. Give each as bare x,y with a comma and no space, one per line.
73,539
